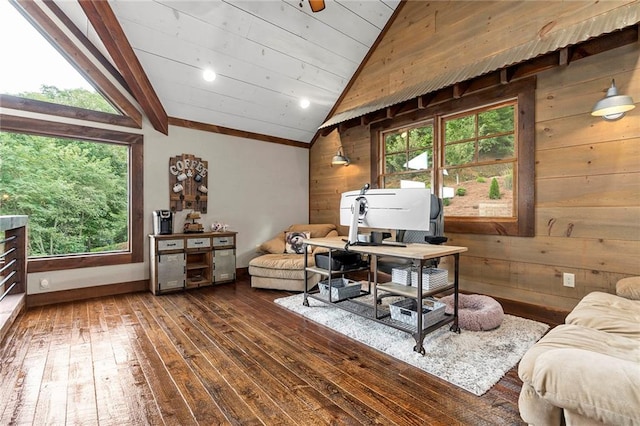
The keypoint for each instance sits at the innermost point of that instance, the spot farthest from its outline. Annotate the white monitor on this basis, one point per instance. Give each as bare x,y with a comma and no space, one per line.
406,208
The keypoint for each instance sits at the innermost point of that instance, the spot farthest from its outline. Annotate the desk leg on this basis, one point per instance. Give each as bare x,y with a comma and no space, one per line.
374,265
456,271
419,336
305,301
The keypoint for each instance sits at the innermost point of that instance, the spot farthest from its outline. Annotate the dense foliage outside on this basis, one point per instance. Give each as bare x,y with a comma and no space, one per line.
479,147
74,192
408,156
80,98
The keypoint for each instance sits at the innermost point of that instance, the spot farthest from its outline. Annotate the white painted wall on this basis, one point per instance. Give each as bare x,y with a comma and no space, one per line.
258,188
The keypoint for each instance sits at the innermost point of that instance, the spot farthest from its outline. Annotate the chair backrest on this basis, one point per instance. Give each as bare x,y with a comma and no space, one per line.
436,225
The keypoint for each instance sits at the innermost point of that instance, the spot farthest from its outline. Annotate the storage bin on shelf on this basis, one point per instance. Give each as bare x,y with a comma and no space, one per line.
432,278
405,310
341,289
340,261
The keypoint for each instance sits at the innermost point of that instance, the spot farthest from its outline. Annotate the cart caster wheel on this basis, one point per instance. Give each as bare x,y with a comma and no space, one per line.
421,351
455,329
305,303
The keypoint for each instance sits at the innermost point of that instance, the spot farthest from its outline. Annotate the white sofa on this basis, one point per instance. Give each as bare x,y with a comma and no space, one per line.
587,371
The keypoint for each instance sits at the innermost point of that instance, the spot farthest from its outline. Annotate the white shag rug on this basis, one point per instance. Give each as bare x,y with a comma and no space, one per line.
472,360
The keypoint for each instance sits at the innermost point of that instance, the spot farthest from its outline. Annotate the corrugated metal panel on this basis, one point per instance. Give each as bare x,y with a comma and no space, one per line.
614,20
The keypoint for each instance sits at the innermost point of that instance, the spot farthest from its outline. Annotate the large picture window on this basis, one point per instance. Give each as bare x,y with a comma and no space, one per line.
81,188
477,154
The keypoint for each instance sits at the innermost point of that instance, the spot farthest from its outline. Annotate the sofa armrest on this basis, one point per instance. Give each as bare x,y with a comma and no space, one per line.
595,385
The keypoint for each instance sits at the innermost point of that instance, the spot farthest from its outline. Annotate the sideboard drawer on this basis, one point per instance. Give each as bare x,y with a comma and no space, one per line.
198,243
165,245
226,241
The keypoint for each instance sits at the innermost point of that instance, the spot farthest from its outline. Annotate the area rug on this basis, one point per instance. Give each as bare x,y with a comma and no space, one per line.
471,360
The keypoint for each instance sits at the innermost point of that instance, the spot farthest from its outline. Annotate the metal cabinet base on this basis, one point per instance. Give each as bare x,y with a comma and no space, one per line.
171,269
183,261
224,265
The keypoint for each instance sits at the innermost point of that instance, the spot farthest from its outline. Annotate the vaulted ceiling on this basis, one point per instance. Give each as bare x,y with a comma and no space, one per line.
268,55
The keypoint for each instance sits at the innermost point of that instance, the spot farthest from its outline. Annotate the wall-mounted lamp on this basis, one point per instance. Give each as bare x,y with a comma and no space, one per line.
613,106
340,159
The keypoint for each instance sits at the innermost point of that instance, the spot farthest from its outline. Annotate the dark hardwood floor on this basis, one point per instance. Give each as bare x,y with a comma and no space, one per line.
217,355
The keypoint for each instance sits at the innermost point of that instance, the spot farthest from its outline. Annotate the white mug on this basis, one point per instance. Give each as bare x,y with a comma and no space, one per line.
181,177
177,187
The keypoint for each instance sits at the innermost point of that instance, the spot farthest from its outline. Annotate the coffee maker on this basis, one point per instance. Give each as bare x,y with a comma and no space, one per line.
162,222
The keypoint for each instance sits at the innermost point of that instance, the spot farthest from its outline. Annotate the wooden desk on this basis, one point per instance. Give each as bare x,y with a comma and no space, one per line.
419,254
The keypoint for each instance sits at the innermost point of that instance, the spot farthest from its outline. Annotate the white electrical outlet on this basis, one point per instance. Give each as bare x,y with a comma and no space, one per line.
568,280
44,283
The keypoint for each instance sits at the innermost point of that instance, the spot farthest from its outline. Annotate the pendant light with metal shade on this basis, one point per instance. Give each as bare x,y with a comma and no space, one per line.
613,106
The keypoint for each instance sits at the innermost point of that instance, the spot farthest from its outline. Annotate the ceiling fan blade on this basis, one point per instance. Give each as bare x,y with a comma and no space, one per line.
316,5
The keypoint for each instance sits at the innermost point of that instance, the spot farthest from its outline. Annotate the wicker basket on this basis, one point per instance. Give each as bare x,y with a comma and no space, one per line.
405,311
432,278
401,276
341,289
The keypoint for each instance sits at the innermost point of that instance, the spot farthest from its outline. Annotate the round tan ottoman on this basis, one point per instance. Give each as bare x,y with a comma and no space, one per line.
475,311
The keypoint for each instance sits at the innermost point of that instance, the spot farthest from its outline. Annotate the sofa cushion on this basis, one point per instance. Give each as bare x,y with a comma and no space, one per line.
629,288
574,336
283,265
609,313
274,245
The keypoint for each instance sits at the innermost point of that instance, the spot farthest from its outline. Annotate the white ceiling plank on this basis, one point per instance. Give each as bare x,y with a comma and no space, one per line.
377,12
290,114
248,73
267,54
289,21
224,119
176,20
241,99
270,62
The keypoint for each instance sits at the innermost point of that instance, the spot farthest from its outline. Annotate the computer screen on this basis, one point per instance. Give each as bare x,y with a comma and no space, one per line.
406,208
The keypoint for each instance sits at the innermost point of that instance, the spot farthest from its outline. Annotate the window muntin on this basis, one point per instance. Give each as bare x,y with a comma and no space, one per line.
480,158
409,156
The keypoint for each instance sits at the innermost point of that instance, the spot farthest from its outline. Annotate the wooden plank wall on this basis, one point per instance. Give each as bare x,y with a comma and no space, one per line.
587,181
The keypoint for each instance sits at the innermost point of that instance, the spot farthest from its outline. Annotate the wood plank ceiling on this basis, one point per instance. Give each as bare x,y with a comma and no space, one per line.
267,54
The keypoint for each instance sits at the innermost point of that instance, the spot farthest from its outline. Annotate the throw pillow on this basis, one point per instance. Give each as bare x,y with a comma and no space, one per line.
629,288
293,242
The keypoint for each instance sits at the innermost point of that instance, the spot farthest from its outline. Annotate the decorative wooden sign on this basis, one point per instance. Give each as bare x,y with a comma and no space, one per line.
188,183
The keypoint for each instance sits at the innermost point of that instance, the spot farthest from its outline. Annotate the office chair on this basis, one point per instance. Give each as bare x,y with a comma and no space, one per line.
435,235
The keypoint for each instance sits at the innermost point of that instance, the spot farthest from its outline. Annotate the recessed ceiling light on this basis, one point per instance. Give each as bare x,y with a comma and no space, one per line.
208,75
304,103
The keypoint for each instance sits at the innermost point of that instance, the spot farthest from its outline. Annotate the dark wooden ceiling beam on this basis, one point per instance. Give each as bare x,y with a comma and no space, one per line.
41,107
110,32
